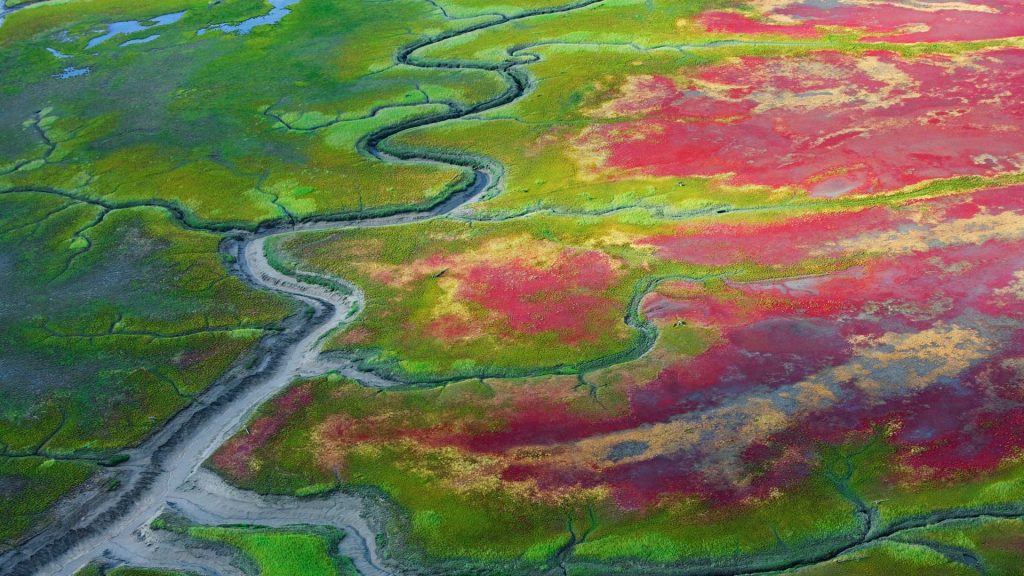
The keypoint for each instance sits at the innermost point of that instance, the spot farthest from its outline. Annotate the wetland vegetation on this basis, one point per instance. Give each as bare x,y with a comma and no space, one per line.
604,287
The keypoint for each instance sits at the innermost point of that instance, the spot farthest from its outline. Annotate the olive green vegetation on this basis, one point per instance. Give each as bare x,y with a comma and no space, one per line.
947,527
805,515
997,491
641,23
113,321
628,38
987,545
279,144
29,486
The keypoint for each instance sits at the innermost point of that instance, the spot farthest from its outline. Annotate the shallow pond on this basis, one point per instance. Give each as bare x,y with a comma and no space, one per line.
133,26
72,72
278,11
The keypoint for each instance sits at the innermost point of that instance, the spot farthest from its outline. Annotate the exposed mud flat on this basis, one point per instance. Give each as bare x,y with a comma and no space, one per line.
206,499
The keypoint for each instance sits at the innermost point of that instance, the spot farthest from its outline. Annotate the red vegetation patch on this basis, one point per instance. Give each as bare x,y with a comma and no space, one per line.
356,335
564,298
234,457
795,240
735,23
885,21
450,327
777,334
832,123
294,399
923,337
775,244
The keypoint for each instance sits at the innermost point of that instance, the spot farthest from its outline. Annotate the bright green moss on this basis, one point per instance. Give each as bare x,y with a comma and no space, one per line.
282,552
